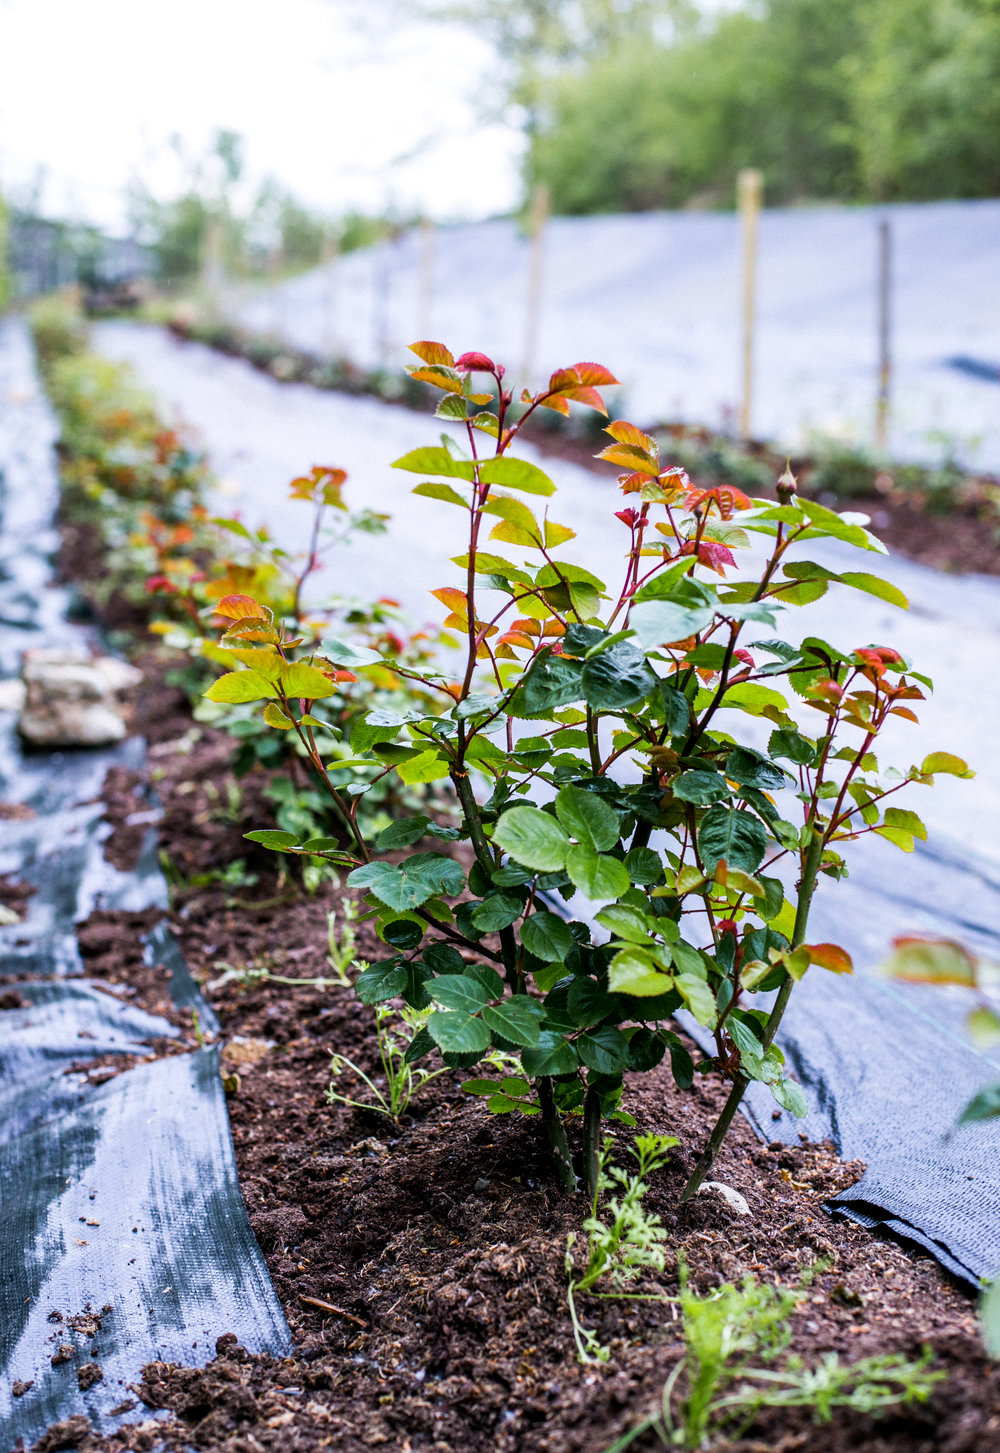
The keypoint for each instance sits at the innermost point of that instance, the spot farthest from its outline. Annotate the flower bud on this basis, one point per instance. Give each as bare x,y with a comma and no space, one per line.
787,484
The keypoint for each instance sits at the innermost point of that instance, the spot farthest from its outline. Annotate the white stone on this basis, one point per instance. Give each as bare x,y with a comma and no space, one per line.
732,1198
74,700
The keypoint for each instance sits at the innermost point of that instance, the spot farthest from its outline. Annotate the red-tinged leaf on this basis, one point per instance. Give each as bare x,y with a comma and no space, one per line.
906,692
433,353
553,627
588,396
715,556
632,483
925,960
455,600
562,379
242,607
627,517
632,458
830,956
475,363
827,691
904,711
725,497
555,402
525,623
250,629
594,373
437,378
340,674
516,638
626,433
741,654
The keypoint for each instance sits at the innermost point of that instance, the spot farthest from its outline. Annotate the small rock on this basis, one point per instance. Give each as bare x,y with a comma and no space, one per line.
63,1353
732,1198
72,700
20,1388
88,1374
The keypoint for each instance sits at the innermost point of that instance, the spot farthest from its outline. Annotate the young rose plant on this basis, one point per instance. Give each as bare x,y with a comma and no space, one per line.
633,854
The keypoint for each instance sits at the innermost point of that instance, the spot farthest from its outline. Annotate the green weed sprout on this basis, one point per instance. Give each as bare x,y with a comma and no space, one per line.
396,1030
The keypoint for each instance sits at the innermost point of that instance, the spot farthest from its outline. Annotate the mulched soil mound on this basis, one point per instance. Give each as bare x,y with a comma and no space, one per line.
420,1265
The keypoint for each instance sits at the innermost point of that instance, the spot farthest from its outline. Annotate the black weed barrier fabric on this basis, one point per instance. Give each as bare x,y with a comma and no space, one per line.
123,1235
888,1068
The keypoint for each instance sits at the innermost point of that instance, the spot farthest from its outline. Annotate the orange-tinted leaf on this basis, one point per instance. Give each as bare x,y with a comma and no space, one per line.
905,711
455,600
920,960
242,607
633,483
439,378
626,433
555,402
564,378
517,638
830,956
594,373
433,352
250,629
631,457
588,396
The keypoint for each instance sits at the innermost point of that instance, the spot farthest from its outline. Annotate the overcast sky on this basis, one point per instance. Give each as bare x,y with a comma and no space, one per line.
343,112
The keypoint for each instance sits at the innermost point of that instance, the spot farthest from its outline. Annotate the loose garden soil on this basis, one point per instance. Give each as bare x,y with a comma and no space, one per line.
421,1265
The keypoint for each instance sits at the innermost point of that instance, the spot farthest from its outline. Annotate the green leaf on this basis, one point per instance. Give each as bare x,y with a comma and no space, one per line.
547,937
701,788
343,653
275,717
438,490
698,997
236,687
754,699
628,923
427,766
938,762
300,680
435,460
989,1311
552,1055
733,834
790,1097
930,961
597,876
517,1019
617,678
533,838
455,1032
497,910
384,980
587,818
516,474
456,991
604,1050
645,1049
663,622
643,866
421,877
402,834
984,1106
278,842
480,1087
909,822
550,682
785,742
874,585
751,768
634,972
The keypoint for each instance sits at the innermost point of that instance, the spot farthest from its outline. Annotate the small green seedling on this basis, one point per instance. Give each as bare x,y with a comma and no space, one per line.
623,1239
396,1031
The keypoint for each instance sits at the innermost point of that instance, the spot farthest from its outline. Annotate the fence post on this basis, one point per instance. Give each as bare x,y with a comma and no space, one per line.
331,261
425,277
884,334
749,191
538,218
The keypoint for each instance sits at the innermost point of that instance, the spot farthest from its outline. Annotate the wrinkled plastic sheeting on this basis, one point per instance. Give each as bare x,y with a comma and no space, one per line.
145,1158
888,1067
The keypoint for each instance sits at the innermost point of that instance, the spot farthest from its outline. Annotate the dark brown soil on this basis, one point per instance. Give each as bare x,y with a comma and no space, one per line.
420,1265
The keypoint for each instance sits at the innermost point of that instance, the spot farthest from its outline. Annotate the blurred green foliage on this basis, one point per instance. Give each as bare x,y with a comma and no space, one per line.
216,221
865,100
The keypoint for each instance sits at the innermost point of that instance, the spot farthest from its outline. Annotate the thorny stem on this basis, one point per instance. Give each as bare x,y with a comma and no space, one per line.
807,886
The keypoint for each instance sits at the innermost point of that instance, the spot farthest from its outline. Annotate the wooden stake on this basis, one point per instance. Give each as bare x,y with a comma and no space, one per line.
884,334
539,218
331,260
750,191
425,281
